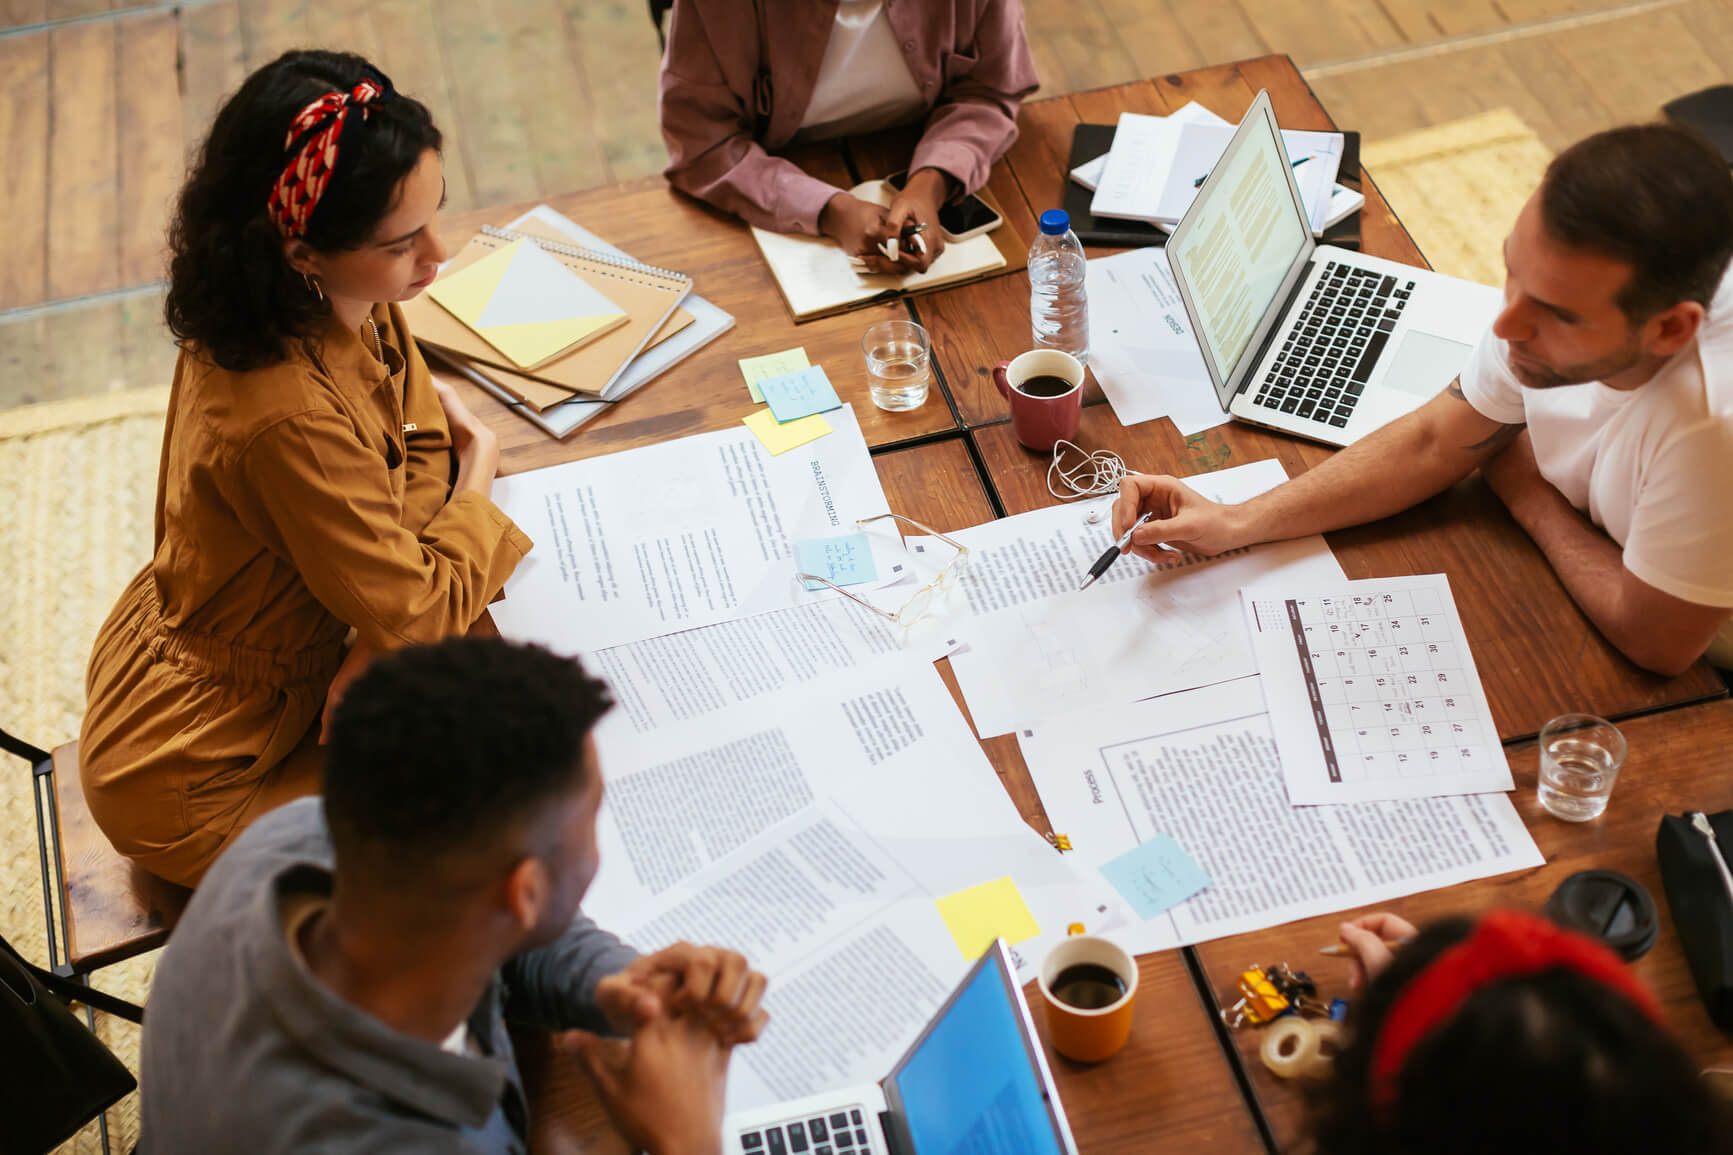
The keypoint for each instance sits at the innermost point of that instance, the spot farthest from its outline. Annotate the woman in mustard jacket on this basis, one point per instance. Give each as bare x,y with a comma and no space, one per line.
316,483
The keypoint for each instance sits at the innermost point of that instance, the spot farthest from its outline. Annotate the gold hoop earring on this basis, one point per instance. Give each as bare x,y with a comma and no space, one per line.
313,286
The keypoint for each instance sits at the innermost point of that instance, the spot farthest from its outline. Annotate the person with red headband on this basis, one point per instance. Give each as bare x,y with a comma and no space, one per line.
316,483
1508,1034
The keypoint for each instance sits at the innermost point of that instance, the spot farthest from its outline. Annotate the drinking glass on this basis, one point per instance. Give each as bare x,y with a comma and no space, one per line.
1580,756
898,363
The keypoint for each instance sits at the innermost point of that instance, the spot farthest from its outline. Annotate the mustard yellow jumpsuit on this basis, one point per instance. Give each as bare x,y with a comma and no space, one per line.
293,503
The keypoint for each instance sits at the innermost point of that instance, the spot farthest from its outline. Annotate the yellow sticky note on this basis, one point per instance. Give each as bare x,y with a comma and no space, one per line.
756,369
983,913
780,438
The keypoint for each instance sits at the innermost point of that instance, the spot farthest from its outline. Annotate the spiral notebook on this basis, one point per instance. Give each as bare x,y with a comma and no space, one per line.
649,297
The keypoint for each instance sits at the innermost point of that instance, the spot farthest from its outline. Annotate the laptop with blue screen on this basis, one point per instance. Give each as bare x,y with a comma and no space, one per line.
976,1081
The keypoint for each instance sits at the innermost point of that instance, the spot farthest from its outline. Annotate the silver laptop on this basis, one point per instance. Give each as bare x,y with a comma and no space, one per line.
976,1080
1311,339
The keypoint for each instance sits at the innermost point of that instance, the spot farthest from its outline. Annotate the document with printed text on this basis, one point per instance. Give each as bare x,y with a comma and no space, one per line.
676,535
1202,767
1037,646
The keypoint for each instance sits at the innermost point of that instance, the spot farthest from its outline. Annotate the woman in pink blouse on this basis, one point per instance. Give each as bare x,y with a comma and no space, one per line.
744,78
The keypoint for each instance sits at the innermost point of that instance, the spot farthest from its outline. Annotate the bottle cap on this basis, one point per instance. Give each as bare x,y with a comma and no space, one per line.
1613,907
1055,223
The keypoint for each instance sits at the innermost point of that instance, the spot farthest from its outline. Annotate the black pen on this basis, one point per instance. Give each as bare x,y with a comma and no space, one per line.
1113,553
1198,183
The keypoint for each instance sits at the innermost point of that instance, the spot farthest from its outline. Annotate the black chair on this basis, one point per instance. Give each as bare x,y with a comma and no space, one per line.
109,908
1710,112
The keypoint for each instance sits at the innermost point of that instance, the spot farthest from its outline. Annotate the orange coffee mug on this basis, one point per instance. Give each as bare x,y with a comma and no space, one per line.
1088,986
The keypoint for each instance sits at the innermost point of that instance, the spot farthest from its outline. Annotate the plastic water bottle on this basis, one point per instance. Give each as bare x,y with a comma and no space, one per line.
1058,301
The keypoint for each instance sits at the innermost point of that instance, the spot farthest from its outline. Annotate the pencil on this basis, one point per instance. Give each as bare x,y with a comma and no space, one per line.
1340,950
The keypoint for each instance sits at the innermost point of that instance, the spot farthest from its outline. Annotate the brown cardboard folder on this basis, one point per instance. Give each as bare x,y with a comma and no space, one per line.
650,297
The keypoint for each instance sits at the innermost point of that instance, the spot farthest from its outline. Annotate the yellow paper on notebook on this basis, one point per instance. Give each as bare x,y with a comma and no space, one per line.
526,304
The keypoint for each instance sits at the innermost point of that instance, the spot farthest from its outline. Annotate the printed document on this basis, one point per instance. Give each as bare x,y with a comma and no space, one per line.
676,535
817,833
1202,767
1372,691
887,742
1142,346
1037,646
849,933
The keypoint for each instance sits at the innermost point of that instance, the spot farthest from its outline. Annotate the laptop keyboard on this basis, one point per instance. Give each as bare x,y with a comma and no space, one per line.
1322,369
833,1133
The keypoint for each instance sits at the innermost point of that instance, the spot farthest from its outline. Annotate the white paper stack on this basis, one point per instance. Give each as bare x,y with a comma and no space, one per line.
1158,163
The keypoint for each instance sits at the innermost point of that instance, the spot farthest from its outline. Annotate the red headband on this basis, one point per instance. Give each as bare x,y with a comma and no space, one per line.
296,193
1506,944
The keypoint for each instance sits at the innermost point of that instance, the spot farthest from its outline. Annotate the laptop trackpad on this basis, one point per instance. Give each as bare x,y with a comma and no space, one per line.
1425,364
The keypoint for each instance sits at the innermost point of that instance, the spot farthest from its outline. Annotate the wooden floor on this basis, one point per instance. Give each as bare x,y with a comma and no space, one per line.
99,107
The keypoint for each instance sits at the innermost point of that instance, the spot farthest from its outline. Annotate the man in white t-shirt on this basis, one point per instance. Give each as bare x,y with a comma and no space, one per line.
1599,406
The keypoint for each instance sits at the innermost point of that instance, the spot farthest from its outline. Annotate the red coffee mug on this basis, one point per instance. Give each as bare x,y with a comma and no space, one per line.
1042,422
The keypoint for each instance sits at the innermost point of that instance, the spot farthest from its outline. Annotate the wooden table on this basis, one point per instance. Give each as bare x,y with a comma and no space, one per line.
1536,652
954,463
656,225
1174,1070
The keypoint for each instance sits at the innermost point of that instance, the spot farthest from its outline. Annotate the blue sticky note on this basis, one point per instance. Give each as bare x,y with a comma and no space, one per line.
1155,876
846,561
799,394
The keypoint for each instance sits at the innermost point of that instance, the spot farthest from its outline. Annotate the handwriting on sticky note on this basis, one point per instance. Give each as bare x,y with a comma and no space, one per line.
780,437
1155,876
844,561
980,914
799,394
756,369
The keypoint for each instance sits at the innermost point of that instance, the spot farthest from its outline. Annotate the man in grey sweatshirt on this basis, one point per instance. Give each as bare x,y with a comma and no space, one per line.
342,978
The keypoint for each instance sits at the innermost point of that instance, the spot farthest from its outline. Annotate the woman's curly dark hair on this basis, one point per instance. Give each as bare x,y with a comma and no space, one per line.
1546,1064
231,291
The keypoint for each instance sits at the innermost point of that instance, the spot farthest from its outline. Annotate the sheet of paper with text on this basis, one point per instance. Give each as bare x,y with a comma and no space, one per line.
675,535
1202,768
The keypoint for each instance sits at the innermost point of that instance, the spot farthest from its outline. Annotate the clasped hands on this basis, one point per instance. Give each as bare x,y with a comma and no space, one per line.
681,1011
861,227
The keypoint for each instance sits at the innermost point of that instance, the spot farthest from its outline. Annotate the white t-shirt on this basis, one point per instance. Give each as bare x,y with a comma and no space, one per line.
864,83
1651,466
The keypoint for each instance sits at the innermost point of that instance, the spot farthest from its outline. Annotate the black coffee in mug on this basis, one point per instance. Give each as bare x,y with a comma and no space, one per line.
1045,385
1088,986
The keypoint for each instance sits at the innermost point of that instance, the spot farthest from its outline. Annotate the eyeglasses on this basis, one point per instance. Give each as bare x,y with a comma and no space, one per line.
922,600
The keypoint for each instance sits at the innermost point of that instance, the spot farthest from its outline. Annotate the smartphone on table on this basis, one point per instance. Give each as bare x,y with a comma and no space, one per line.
961,219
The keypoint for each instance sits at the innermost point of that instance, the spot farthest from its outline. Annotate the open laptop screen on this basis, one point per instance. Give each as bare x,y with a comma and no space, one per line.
1237,245
971,1084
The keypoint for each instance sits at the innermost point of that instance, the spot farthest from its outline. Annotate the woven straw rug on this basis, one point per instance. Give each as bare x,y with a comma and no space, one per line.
80,481
75,525
1458,187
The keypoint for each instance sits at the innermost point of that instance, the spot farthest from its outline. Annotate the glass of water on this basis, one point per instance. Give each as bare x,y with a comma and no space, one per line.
898,364
1580,756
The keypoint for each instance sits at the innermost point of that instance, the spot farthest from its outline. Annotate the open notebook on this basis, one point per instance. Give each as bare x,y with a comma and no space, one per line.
817,280
648,297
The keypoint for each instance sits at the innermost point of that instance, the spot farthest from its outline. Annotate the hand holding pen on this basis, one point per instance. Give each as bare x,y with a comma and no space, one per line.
1114,552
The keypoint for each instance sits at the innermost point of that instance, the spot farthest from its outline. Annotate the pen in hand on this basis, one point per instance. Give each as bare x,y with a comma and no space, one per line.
1340,950
1114,551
